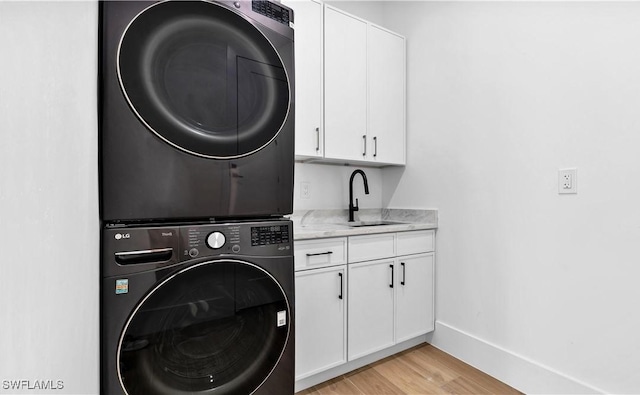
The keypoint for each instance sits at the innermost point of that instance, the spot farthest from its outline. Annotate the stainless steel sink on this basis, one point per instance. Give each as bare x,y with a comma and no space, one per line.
373,223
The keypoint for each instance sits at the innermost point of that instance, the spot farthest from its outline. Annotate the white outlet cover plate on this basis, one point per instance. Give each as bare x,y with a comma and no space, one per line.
568,181
305,190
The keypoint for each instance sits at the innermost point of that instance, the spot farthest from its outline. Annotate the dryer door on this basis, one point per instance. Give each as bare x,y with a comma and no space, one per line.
203,78
215,327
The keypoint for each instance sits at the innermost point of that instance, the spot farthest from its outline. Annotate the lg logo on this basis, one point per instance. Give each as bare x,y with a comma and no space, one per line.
120,236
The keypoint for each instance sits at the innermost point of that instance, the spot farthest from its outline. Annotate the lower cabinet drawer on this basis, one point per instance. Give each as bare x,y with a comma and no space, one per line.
415,242
370,247
311,254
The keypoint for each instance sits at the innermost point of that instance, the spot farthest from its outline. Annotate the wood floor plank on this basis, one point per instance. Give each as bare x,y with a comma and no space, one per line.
462,386
431,369
372,382
337,386
469,372
420,370
406,378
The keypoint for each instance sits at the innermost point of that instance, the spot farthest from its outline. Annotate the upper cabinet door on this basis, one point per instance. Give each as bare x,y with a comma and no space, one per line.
309,85
386,72
345,100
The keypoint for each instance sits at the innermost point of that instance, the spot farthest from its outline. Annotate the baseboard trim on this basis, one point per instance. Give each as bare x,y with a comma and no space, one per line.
524,374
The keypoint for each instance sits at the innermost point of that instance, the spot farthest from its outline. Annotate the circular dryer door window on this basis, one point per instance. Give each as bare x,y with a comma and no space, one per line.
204,79
218,327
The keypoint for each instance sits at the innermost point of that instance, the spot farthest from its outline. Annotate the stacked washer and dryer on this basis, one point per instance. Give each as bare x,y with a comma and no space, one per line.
196,163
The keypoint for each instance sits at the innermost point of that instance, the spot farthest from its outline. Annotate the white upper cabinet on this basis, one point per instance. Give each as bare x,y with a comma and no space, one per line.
386,76
345,87
350,88
308,24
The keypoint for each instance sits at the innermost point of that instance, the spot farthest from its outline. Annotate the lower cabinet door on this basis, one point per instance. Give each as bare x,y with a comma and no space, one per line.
371,299
414,293
321,309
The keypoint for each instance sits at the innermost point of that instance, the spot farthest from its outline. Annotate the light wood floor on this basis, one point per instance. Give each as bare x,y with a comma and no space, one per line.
420,370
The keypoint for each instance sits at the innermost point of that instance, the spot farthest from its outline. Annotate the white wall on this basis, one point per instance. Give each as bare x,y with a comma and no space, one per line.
48,197
501,95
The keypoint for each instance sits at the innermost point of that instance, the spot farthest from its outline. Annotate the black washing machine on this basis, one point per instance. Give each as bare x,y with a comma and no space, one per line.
196,110
198,309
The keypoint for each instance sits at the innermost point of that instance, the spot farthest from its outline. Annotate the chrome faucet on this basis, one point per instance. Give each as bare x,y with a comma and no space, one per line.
352,207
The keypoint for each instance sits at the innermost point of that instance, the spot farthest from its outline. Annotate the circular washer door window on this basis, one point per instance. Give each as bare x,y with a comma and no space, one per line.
203,78
217,327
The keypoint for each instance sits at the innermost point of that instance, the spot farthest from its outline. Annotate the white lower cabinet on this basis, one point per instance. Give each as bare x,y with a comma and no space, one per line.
381,297
390,301
321,305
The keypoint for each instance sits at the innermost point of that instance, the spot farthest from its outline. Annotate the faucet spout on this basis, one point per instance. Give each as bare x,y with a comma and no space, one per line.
354,207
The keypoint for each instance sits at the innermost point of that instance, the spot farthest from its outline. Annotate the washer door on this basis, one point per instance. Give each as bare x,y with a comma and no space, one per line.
203,78
217,327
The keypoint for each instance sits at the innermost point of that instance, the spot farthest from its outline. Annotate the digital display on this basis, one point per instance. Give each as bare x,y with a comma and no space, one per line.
267,235
271,10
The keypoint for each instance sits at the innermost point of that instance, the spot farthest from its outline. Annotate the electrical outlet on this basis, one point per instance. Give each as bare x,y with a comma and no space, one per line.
305,190
568,181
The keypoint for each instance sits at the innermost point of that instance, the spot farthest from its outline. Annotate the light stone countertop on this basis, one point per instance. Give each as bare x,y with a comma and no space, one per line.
316,224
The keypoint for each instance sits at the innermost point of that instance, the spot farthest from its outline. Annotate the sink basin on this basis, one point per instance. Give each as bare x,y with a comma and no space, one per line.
373,223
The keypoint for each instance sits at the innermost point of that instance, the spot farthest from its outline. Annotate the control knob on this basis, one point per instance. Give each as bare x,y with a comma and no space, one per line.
216,240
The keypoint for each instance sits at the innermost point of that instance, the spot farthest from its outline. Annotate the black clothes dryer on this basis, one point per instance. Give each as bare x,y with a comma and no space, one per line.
198,309
196,110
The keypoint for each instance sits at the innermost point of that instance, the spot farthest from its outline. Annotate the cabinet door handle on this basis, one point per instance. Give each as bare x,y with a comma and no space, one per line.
320,253
391,285
364,151
341,285
404,273
317,139
375,146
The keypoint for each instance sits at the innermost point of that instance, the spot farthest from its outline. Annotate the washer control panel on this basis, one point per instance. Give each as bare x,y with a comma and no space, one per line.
267,235
271,10
264,238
